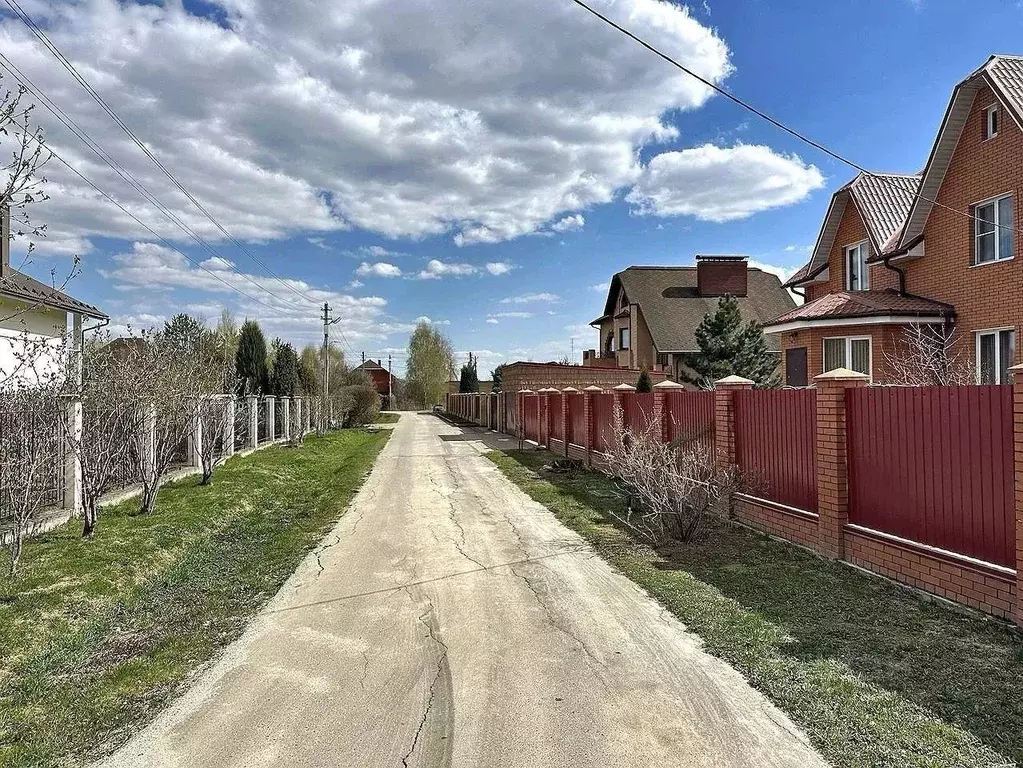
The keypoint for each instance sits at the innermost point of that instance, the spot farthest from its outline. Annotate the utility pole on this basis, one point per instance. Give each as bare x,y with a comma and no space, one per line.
324,401
390,379
364,356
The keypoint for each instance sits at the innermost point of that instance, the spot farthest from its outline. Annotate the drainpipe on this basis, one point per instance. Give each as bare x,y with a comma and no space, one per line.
900,272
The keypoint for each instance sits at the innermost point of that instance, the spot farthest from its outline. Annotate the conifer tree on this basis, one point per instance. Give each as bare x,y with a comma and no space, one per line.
728,347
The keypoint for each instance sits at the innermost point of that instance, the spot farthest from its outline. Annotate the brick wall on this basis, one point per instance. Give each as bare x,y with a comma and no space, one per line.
883,340
798,526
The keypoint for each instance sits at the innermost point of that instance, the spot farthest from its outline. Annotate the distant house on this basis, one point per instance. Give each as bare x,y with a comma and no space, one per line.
930,249
651,313
30,309
382,380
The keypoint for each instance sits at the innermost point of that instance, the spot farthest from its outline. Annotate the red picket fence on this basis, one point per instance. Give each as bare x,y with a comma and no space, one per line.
576,419
935,465
638,410
603,419
554,406
775,436
531,417
690,417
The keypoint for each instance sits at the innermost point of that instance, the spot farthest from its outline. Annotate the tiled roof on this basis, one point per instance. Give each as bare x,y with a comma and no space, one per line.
846,304
1007,73
20,286
673,309
883,201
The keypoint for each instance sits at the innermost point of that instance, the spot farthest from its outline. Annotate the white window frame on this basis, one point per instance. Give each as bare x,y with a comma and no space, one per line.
848,351
998,259
863,249
998,350
990,111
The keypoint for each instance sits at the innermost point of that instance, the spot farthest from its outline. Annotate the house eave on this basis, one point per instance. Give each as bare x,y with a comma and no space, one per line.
852,322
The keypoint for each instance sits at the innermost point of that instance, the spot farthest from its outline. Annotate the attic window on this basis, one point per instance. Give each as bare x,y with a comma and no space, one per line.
991,122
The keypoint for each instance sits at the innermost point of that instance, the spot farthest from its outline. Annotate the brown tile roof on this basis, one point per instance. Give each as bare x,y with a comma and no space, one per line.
673,309
883,201
20,286
846,304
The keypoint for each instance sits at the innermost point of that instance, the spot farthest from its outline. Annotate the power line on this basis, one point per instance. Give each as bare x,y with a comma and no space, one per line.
52,47
776,123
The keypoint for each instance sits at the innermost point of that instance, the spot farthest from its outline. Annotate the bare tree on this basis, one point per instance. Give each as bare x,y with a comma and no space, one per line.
31,444
673,488
212,378
927,355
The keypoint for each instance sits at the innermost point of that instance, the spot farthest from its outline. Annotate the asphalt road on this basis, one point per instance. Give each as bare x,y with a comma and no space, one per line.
448,620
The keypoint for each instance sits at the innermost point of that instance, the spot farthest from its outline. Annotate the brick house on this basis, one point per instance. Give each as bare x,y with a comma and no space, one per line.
383,382
651,313
935,248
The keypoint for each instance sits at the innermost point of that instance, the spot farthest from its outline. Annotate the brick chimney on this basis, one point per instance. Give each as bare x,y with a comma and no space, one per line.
721,275
5,241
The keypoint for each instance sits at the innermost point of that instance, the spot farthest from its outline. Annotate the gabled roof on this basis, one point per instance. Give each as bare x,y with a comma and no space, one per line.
369,365
1004,75
843,305
20,286
672,308
882,200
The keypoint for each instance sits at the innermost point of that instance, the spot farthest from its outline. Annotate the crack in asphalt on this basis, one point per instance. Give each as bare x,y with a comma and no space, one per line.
545,607
433,685
365,670
460,544
323,548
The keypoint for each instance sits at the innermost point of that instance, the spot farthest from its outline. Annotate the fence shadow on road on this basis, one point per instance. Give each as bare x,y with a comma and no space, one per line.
961,666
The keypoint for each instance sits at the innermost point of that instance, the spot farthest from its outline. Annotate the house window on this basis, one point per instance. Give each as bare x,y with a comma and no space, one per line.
992,230
847,352
623,338
991,122
857,278
996,350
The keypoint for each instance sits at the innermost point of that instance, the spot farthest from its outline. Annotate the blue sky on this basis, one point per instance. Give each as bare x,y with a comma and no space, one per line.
531,151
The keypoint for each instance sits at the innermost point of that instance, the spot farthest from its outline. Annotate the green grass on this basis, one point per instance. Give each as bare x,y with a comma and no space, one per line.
873,673
96,636
387,418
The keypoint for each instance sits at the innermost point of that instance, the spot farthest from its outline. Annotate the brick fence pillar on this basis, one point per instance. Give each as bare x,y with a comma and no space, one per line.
590,421
724,418
832,464
621,393
661,415
566,393
1017,431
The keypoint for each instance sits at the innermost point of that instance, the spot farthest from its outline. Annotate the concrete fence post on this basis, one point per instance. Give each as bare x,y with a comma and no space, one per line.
566,394
724,418
253,421
590,420
832,459
1017,431
195,443
661,411
229,406
72,500
286,408
271,417
299,424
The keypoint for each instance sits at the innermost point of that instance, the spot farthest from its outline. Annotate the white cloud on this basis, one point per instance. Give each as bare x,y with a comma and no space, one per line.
379,269
511,314
217,263
371,252
493,320
436,269
798,248
784,273
569,223
528,298
499,267
599,287
722,183
356,118
356,284
427,319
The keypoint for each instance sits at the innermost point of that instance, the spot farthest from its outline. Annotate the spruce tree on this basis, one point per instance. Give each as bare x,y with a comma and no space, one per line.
250,360
284,379
728,347
469,381
643,384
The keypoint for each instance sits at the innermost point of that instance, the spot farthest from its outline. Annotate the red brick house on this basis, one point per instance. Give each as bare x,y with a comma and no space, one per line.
937,248
382,381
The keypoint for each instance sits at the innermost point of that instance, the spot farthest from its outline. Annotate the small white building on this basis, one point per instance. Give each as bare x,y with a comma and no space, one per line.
30,309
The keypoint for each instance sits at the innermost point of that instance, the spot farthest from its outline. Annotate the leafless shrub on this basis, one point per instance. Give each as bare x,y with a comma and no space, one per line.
926,356
31,444
673,487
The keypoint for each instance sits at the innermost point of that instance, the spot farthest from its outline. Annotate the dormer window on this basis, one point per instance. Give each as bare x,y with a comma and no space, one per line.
991,122
857,275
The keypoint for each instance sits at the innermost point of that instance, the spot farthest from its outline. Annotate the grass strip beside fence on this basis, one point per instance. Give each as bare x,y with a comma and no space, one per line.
98,635
875,674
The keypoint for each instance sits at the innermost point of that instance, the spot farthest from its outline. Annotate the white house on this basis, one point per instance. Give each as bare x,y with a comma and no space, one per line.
30,309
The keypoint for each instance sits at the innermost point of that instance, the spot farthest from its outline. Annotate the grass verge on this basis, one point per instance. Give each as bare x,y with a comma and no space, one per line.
97,636
388,418
873,673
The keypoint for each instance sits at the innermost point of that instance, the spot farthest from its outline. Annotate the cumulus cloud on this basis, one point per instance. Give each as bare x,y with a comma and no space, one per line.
509,314
569,223
499,267
374,252
406,118
431,321
436,269
784,273
527,298
722,183
379,269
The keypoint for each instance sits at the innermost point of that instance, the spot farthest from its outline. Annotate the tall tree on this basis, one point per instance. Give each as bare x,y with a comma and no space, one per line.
469,380
727,347
430,365
309,366
250,360
284,376
183,333
496,377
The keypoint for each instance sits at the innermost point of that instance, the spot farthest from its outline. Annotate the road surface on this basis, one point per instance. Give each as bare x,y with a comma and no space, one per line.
448,620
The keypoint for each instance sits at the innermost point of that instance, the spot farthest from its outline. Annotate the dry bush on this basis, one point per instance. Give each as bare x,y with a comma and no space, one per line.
927,356
673,487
